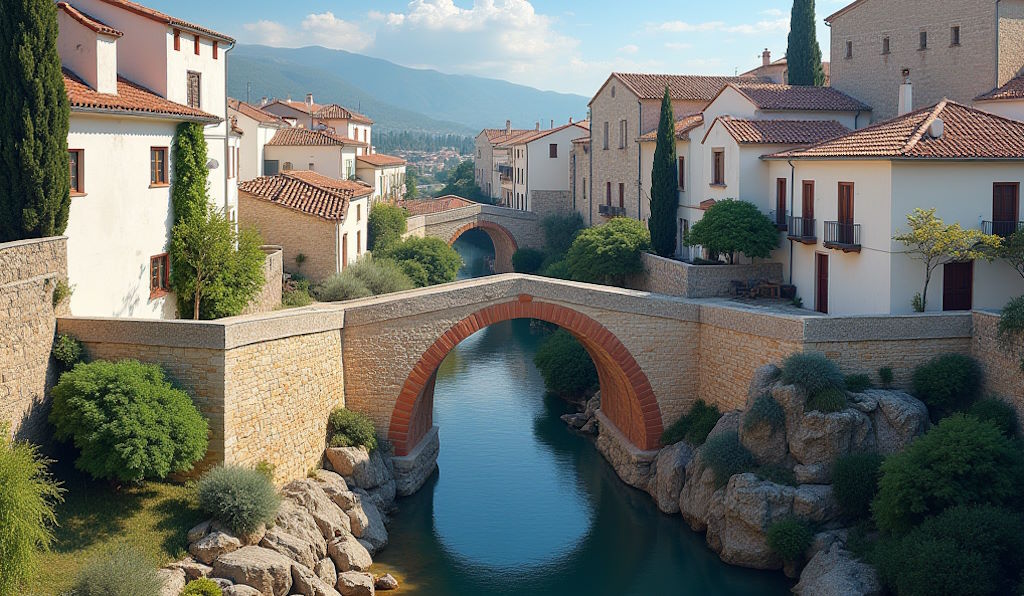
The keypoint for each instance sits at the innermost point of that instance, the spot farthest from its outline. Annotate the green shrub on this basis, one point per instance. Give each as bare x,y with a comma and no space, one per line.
962,461
886,376
296,298
828,400
68,351
202,586
609,253
385,226
998,412
128,421
427,261
380,276
347,428
266,468
1011,319
28,495
123,571
947,384
777,474
527,260
977,549
764,410
694,426
733,226
560,231
811,371
240,498
726,457
789,538
857,383
61,292
855,483
565,365
557,270
340,287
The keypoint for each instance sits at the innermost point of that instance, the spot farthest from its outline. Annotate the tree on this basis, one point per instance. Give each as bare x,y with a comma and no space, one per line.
461,182
427,261
609,253
385,226
190,186
220,270
733,226
803,56
1012,251
34,184
934,243
411,184
664,183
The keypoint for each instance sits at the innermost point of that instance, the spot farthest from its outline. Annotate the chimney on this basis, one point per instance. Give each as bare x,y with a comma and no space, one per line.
906,99
570,119
309,99
508,127
264,101
537,126
552,123
766,57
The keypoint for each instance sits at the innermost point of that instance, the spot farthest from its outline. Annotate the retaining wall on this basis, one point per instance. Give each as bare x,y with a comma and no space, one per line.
269,297
1001,360
676,278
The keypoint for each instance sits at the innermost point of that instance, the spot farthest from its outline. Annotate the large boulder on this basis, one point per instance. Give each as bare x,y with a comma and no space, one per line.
836,572
307,583
815,503
209,547
751,505
296,549
766,443
386,582
355,583
729,422
240,590
298,522
764,378
268,571
696,495
198,531
192,568
173,581
793,401
348,554
307,493
326,570
368,523
335,487
820,473
898,420
820,438
360,467
670,475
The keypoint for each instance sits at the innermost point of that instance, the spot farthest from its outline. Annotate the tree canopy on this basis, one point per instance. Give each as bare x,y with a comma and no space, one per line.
803,56
385,226
462,182
609,253
664,184
427,261
733,226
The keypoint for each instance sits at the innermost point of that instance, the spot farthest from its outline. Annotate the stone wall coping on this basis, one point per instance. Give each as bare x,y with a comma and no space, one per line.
625,444
402,461
29,241
889,327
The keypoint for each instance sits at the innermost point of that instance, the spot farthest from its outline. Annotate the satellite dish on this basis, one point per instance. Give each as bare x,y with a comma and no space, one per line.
213,164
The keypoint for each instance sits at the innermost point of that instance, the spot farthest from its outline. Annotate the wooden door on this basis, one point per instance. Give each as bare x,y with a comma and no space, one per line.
344,251
958,286
845,231
1005,207
780,201
821,283
807,209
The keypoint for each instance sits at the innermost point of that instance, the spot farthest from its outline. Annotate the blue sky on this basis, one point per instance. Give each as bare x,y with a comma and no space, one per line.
548,44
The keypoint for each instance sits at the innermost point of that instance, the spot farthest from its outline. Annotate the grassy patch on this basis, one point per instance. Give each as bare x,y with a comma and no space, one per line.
693,426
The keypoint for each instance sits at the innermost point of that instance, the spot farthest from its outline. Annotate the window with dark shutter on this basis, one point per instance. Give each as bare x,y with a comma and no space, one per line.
622,195
718,178
159,270
76,162
954,36
158,166
194,88
849,50
682,173
553,150
177,40
885,46
924,40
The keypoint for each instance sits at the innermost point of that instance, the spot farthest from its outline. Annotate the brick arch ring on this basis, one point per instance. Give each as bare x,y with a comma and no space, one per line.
505,244
627,398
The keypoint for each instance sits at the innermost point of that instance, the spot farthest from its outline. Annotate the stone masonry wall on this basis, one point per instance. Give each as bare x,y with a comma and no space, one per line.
675,278
29,271
297,232
1001,361
550,202
269,297
1011,41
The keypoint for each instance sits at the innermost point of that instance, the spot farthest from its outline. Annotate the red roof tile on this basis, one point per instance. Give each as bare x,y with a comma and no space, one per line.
680,87
684,124
254,112
780,132
775,97
424,206
88,21
160,17
307,192
379,160
336,112
968,133
303,137
496,135
1013,89
844,10
298,105
131,98
535,135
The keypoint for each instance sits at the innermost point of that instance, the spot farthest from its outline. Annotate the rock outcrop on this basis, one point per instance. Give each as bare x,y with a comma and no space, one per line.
836,572
268,571
670,475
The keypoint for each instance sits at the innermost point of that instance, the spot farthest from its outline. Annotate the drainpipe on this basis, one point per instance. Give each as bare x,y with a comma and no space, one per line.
227,137
996,82
590,201
639,162
792,209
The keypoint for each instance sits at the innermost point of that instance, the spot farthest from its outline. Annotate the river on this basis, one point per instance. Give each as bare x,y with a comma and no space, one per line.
521,505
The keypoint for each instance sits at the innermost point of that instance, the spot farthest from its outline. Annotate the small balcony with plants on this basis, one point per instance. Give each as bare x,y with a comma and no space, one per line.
802,229
611,211
1003,229
841,235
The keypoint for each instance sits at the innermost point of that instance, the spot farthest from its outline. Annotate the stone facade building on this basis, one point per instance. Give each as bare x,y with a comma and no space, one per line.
486,172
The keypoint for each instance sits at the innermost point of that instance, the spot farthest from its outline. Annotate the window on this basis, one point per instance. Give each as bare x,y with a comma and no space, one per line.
177,40
288,166
359,213
158,166
849,50
312,167
718,175
622,134
553,151
76,169
954,35
682,173
194,85
196,44
271,167
622,195
215,48
608,193
359,242
606,135
159,273
924,40
885,46
613,90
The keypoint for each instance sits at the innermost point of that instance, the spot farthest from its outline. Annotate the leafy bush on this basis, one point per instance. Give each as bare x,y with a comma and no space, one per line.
764,410
998,412
560,231
427,261
886,377
340,287
811,371
1011,320
385,226
124,571
68,351
240,498
977,549
202,586
28,495
527,260
348,428
947,384
857,383
565,365
733,226
693,426
726,457
855,483
777,474
61,292
962,461
827,400
789,538
128,421
380,276
557,270
609,253
296,293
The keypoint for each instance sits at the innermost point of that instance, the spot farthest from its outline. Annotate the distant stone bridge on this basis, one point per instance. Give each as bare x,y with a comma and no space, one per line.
509,229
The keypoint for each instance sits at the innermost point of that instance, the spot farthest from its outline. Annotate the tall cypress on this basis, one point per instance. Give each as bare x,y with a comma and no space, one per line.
803,57
664,184
34,112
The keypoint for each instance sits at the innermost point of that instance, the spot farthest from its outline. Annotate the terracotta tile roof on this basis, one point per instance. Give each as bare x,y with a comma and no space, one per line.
254,112
424,206
680,87
684,124
1013,89
160,17
514,138
307,192
88,21
380,160
968,133
844,10
336,112
780,132
495,135
303,137
299,105
775,97
536,135
131,98
582,140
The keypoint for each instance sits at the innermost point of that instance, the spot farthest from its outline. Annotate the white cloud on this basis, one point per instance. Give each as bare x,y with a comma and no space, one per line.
685,27
780,23
677,46
629,49
322,29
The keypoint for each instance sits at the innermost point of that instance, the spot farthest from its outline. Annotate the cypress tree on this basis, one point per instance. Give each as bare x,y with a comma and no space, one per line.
664,184
803,57
34,112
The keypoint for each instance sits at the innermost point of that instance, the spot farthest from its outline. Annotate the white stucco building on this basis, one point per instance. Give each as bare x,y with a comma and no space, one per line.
316,150
539,163
486,158
1007,101
333,118
386,173
257,128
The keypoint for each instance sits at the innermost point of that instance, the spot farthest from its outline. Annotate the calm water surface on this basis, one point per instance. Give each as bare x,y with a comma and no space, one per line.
521,505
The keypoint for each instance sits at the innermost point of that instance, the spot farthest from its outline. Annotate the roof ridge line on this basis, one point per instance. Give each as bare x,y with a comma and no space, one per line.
919,133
